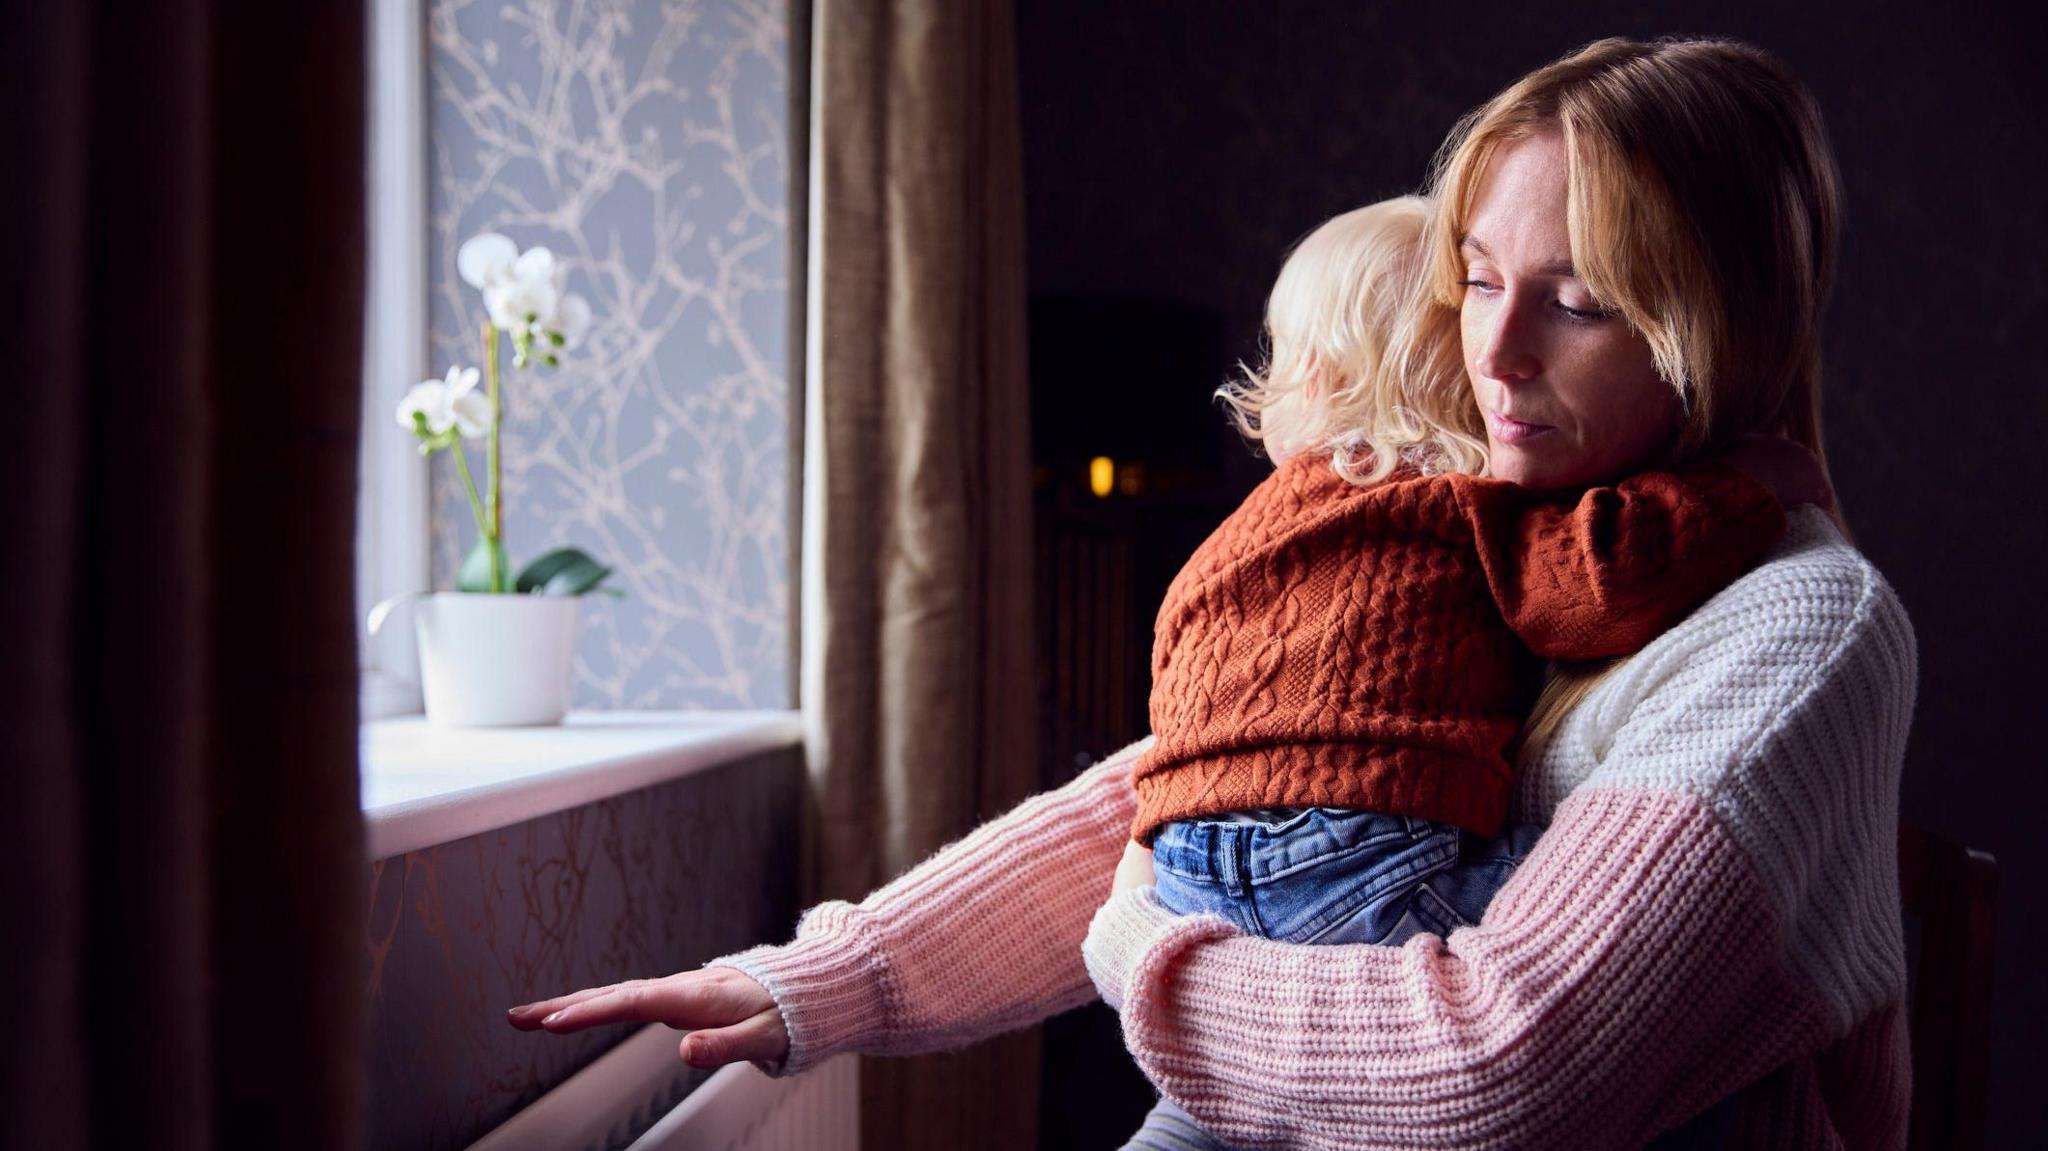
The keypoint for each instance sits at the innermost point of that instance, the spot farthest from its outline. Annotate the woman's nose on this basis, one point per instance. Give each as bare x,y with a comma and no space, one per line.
1509,352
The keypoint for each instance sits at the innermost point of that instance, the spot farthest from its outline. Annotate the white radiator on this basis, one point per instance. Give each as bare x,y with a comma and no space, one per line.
628,1101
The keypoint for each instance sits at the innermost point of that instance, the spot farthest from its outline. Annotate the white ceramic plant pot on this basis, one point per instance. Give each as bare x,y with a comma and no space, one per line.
496,660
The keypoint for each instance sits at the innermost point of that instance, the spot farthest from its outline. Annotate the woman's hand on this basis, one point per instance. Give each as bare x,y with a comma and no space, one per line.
1792,472
1134,869
728,1015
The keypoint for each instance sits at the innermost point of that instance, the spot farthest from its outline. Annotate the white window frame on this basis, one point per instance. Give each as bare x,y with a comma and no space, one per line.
392,496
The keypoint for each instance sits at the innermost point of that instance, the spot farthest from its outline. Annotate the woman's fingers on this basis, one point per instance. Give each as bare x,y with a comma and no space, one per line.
689,1000
527,1016
640,1001
760,1037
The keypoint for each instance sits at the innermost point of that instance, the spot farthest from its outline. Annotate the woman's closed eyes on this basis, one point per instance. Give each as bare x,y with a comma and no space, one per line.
1575,315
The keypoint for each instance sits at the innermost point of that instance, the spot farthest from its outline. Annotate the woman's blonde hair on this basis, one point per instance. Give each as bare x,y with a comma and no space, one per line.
1703,206
1355,357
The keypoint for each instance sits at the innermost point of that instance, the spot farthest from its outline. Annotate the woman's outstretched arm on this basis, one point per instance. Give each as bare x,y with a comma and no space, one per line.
1716,905
982,938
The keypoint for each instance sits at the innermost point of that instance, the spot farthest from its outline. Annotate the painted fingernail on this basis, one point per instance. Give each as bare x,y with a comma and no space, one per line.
550,1019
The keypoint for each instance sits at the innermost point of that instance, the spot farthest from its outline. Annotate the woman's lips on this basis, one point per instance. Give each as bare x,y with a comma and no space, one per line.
1507,431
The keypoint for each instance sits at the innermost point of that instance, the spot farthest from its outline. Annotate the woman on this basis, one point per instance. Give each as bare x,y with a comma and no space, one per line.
1635,244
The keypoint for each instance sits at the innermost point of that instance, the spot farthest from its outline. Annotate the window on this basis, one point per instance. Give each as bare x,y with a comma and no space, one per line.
391,514
647,145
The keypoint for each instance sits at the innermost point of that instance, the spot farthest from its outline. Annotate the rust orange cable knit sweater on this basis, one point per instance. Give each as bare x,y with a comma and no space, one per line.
1378,647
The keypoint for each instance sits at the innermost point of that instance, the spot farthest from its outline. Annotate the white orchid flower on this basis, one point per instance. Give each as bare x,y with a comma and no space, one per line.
521,306
525,300
447,403
574,318
535,264
471,408
486,259
425,400
523,296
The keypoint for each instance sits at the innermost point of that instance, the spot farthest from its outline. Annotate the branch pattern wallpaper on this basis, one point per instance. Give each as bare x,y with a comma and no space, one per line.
646,144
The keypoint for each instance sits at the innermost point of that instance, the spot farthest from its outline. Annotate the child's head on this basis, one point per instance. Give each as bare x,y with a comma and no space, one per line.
1352,350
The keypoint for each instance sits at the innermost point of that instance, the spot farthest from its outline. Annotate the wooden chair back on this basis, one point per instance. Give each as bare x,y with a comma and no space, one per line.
1950,894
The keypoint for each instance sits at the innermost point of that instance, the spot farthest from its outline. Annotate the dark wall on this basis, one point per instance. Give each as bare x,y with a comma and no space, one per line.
1174,150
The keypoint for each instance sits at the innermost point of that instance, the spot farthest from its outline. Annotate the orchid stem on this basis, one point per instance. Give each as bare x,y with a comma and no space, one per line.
476,503
496,530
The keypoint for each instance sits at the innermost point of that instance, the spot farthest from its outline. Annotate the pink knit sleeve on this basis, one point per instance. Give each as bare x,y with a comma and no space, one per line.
1606,573
982,938
1632,949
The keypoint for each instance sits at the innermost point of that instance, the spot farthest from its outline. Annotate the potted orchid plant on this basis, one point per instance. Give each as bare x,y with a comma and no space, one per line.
500,649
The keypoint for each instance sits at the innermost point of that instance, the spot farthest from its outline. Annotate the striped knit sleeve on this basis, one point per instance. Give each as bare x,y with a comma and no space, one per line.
983,937
1696,918
1603,575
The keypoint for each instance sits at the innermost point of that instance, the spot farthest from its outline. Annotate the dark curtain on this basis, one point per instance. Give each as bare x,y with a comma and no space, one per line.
185,319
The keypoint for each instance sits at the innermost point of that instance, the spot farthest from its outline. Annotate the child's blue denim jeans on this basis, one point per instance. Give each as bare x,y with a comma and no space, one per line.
1323,875
1334,875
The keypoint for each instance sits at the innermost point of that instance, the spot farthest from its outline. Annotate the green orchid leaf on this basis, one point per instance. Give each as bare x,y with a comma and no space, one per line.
577,581
534,576
563,571
475,575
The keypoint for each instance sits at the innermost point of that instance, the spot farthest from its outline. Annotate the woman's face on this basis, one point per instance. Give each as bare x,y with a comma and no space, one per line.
1570,394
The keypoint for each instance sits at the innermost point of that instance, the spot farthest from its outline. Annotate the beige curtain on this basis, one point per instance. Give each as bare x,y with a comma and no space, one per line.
916,665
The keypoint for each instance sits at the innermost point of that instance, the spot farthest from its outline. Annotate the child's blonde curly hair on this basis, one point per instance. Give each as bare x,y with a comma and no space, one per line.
1359,364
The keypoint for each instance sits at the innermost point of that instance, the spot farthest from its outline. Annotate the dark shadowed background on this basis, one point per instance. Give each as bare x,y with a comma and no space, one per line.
1173,151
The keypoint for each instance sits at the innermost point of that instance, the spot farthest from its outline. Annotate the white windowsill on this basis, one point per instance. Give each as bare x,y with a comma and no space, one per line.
425,785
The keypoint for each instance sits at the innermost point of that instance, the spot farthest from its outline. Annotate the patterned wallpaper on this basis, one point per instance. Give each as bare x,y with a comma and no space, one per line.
646,144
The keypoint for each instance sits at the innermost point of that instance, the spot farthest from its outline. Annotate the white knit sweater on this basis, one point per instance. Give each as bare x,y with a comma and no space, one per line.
1783,705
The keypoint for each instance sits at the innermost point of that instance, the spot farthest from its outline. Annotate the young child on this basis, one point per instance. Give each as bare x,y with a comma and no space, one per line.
1340,670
